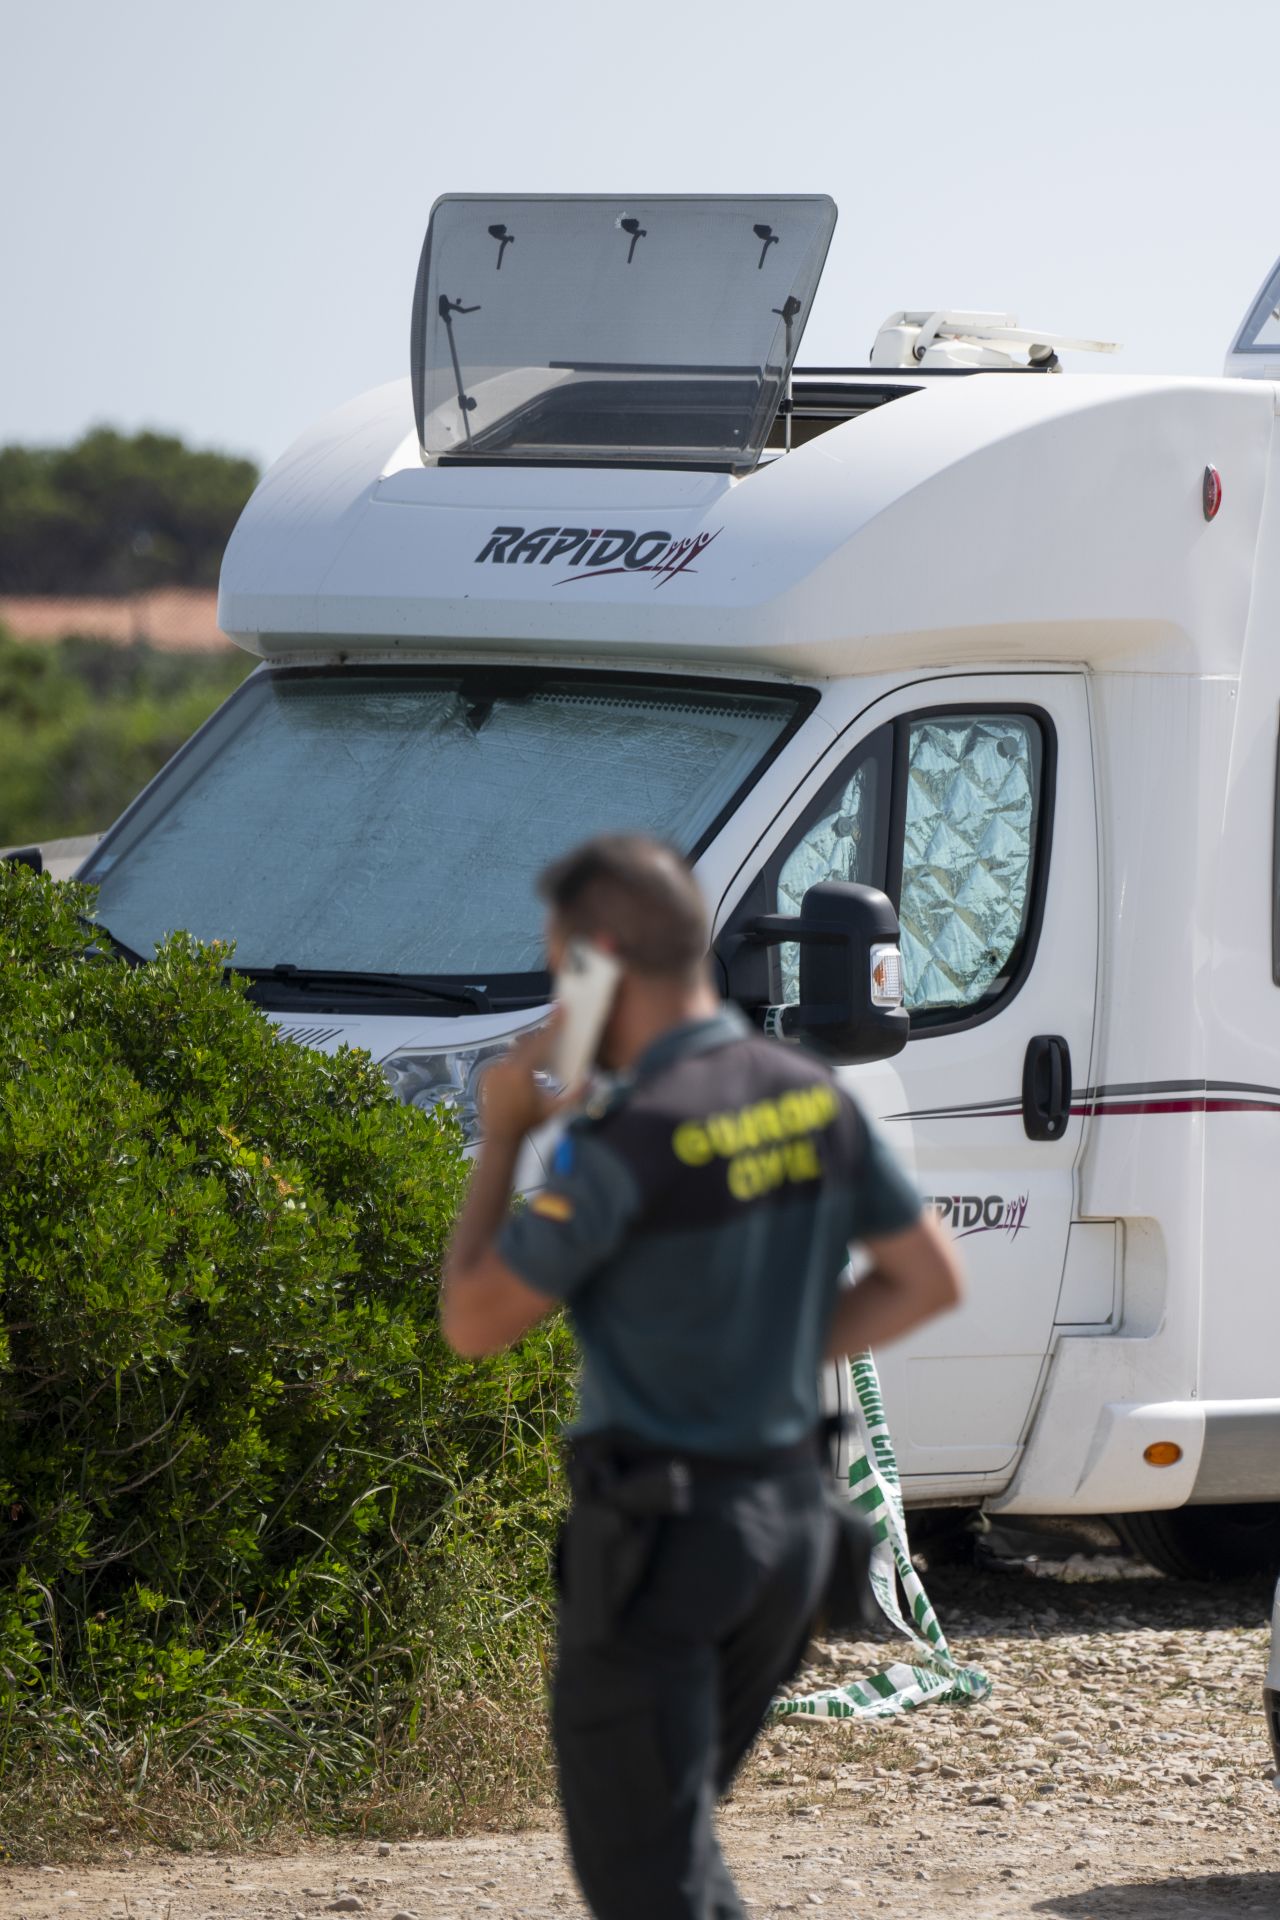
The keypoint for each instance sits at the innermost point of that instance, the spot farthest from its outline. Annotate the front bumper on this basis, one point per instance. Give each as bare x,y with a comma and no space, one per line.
1082,1457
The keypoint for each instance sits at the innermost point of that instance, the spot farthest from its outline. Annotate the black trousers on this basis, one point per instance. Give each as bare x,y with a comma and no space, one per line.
652,1723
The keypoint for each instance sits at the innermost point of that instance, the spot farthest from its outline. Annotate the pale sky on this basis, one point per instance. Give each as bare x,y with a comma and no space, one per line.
211,210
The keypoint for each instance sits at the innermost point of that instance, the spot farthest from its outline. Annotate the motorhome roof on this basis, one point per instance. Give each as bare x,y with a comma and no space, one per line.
945,520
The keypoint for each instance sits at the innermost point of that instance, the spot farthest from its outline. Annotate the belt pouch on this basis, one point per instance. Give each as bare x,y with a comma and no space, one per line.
605,1555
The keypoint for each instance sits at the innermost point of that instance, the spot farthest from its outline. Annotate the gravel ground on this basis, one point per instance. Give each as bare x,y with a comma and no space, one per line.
1120,1771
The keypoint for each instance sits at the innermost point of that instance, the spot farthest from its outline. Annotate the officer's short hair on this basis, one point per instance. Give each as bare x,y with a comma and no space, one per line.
639,892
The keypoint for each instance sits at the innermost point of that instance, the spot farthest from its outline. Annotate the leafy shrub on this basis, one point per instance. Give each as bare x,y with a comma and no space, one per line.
115,513
254,1515
85,724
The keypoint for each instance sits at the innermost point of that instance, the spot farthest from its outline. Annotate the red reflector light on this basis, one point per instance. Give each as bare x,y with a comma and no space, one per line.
1212,494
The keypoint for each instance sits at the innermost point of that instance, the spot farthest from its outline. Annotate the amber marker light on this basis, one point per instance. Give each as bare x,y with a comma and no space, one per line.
886,975
1162,1453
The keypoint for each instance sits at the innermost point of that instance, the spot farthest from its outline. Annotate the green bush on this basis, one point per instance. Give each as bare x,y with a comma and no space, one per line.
257,1523
84,725
116,513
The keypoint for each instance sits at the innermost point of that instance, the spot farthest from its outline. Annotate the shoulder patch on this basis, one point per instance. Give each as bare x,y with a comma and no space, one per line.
552,1206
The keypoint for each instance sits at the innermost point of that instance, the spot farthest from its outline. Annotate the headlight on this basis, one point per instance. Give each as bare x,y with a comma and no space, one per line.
447,1079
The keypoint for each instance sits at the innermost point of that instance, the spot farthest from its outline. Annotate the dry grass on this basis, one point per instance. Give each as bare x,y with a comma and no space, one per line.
476,1763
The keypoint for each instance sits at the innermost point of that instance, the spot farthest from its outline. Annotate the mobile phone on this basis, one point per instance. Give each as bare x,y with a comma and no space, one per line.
584,989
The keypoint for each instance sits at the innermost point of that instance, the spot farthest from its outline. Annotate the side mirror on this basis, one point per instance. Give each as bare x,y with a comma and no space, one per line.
25,857
850,1006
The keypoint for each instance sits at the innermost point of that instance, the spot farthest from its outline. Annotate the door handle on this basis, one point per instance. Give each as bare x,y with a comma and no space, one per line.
1046,1087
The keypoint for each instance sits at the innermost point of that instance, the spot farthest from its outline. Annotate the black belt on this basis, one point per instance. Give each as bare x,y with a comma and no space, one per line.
638,1477
623,1488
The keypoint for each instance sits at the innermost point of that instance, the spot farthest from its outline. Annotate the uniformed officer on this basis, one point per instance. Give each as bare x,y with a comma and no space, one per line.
696,1225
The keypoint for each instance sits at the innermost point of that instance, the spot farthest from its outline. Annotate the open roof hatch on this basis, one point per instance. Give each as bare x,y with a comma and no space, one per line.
1255,351
655,331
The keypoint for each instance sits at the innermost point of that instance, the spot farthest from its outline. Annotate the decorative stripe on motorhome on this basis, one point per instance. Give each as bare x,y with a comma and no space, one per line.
1134,1097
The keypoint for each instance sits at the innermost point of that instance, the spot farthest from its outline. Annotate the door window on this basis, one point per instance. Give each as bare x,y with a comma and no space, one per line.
944,811
968,843
840,844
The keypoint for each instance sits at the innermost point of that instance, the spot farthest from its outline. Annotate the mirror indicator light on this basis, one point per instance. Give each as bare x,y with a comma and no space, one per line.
886,975
1212,492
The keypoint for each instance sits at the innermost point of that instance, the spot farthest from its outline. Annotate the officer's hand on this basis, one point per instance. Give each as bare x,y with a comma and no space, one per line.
512,1101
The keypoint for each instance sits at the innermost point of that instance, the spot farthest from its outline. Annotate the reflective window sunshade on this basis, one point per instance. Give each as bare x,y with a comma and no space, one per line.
968,847
972,791
839,846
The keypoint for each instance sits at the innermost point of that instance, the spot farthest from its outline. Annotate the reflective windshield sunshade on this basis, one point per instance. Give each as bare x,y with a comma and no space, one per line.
655,331
393,820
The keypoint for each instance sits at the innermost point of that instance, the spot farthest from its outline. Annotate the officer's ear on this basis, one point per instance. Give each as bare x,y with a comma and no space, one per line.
553,940
556,938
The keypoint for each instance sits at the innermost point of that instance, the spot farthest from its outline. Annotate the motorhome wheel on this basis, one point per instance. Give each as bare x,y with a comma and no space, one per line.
1205,1543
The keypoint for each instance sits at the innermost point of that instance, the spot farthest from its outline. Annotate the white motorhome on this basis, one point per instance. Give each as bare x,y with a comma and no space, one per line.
999,641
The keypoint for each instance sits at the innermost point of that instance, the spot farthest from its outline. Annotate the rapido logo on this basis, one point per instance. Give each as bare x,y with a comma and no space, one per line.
597,551
967,1213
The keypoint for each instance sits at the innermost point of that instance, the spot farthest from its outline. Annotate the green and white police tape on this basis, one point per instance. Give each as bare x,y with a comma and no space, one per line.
867,1457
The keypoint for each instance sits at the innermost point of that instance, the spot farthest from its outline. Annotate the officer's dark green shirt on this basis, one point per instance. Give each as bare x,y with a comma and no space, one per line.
697,1231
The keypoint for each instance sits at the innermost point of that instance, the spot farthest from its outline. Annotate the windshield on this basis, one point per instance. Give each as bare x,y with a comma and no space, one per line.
393,820
564,327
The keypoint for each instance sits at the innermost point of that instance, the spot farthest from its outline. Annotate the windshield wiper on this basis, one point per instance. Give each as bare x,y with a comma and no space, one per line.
406,985
119,946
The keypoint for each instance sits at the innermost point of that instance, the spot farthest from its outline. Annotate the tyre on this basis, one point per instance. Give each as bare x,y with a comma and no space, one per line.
1205,1543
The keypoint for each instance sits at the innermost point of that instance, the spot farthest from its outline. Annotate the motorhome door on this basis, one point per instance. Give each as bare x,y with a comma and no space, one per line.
970,800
